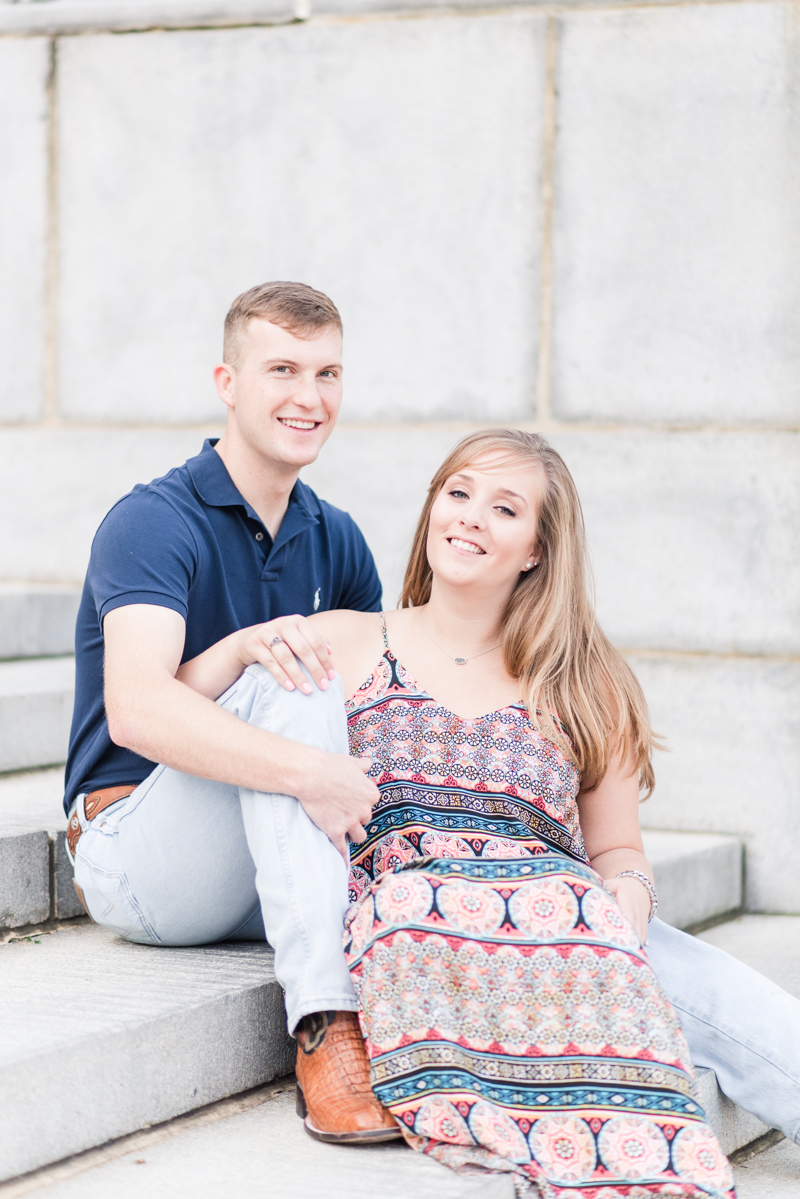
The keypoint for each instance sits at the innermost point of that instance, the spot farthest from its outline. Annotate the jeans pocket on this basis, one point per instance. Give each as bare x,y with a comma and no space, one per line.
106,891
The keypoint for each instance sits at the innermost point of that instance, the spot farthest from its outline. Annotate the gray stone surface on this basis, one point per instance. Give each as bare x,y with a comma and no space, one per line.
24,878
409,189
265,1154
24,67
698,876
37,620
774,1174
677,260
35,711
733,729
695,537
63,894
734,1127
100,1037
57,485
31,802
770,944
82,16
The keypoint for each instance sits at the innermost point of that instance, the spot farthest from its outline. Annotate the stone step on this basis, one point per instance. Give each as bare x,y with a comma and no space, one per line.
37,620
35,711
699,876
100,1037
35,872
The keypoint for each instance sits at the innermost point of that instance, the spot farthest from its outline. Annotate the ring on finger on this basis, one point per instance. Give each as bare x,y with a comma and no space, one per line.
275,641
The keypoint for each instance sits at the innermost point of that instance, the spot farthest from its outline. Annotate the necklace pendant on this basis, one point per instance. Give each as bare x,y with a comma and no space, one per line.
460,661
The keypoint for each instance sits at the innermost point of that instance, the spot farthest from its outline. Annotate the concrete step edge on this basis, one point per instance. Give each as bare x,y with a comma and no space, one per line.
37,619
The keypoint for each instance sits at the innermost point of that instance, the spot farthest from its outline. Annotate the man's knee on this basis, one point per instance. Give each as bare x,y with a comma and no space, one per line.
317,719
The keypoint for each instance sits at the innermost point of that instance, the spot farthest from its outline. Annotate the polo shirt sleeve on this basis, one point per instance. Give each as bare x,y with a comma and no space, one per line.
361,588
144,553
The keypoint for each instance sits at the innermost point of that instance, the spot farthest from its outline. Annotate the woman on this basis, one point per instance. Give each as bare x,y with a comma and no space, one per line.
501,895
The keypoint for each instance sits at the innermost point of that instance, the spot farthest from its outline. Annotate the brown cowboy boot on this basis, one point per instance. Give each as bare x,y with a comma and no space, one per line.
334,1095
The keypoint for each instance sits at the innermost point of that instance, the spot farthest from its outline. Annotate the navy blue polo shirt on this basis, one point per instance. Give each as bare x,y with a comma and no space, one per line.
190,542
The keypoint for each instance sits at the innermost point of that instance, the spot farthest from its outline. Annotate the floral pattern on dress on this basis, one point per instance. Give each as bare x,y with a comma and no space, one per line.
511,1017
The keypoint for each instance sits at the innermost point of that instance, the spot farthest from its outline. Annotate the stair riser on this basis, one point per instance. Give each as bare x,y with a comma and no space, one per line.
34,729
734,1127
699,887
37,623
35,880
94,1090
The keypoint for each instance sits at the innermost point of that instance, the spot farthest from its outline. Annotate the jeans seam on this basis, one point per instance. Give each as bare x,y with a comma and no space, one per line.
733,1037
120,876
291,889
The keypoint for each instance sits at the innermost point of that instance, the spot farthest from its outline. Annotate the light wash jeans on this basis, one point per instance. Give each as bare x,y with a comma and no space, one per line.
187,861
184,861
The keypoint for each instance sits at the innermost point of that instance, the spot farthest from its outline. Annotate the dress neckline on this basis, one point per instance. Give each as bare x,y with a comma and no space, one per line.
423,691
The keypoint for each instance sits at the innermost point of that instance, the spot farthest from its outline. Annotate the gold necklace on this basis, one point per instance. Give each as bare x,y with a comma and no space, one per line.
458,661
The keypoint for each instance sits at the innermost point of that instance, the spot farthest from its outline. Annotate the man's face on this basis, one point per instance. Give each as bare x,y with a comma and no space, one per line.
286,392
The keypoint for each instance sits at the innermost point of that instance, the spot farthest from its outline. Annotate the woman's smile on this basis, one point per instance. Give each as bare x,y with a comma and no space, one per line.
467,547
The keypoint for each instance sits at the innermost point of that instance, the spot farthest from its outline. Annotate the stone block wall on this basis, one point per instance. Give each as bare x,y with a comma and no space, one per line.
579,219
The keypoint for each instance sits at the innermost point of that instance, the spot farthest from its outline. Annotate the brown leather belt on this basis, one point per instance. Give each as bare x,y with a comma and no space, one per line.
95,803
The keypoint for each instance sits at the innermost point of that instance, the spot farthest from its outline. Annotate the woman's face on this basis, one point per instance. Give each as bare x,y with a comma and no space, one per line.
483,523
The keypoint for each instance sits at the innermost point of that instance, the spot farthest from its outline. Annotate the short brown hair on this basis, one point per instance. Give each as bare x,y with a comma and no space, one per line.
294,306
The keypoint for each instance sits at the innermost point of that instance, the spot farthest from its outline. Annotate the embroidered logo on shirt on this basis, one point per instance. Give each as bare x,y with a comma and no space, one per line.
316,598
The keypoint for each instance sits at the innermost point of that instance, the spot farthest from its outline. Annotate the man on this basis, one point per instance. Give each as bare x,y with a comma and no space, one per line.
211,844
192,851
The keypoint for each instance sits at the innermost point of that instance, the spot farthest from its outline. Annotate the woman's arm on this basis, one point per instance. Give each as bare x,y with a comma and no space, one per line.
609,816
214,671
357,636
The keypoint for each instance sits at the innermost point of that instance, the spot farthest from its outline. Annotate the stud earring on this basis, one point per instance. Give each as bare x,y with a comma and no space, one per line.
527,566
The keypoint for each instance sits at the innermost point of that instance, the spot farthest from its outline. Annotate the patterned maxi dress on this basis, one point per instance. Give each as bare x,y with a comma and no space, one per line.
512,1019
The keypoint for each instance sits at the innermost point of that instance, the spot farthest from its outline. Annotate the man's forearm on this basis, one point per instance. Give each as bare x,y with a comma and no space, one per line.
177,727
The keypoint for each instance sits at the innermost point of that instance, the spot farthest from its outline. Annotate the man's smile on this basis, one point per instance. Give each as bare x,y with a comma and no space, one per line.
294,422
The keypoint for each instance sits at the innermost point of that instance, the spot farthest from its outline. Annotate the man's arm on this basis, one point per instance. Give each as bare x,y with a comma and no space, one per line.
152,713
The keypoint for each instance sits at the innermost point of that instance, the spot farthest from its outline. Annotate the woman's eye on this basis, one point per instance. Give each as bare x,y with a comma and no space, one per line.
458,494
506,511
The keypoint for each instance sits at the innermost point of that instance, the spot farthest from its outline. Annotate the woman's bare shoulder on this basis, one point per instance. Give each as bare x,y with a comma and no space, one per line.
355,640
344,624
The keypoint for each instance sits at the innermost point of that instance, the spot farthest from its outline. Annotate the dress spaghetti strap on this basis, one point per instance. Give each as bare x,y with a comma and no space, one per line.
383,630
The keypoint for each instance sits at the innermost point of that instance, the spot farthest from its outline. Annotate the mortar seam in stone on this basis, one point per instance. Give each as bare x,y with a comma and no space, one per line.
542,403
50,418
287,19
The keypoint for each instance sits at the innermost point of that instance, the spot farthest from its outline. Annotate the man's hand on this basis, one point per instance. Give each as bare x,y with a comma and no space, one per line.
337,796
151,711
298,639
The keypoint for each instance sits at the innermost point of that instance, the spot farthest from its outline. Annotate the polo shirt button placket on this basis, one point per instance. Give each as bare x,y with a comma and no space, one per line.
259,536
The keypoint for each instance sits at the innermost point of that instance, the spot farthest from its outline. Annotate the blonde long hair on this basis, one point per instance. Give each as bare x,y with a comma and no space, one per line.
571,674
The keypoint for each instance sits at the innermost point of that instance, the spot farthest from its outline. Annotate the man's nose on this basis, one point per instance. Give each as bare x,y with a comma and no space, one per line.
305,392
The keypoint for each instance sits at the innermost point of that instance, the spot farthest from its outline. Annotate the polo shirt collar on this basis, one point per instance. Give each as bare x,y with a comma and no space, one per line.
215,487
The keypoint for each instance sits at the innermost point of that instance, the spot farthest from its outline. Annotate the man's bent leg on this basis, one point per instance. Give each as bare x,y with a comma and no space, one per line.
170,864
300,877
302,882
736,1022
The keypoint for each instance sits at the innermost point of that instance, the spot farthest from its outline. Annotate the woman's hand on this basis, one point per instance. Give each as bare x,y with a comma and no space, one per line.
634,901
298,639
214,671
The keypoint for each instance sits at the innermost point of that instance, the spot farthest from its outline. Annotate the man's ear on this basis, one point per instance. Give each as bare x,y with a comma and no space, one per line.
224,379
